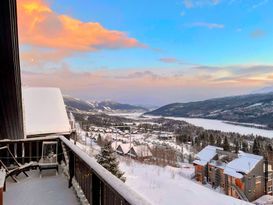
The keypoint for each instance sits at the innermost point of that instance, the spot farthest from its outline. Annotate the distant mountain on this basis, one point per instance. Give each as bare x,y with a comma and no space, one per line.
264,90
253,108
100,106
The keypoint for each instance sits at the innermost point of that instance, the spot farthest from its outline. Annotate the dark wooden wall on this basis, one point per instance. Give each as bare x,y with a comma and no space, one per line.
11,115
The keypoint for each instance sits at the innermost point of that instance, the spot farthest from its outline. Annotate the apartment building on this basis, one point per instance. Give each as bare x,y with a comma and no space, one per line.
243,175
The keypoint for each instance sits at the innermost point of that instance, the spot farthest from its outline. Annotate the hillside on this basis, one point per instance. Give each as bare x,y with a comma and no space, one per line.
169,185
74,104
253,108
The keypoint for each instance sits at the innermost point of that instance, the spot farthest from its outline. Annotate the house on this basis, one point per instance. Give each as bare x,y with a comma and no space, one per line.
115,145
201,162
140,152
245,177
216,168
165,136
239,175
44,112
123,149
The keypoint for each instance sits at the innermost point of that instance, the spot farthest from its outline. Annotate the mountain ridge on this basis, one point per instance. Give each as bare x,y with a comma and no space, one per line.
251,108
74,104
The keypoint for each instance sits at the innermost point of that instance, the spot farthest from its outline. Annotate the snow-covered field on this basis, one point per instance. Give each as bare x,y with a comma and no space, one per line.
170,186
225,127
220,125
210,124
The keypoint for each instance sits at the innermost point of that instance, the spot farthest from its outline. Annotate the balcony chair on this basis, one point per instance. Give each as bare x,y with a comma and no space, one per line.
17,168
49,156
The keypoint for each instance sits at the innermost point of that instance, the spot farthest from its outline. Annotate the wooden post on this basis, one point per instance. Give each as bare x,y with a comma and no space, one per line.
96,190
2,184
71,167
1,195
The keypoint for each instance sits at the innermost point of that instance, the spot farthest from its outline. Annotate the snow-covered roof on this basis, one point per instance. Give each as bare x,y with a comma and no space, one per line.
142,151
243,164
125,147
217,164
206,154
115,145
44,111
264,200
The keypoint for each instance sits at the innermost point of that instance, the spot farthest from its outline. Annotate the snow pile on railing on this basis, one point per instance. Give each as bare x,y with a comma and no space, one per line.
126,192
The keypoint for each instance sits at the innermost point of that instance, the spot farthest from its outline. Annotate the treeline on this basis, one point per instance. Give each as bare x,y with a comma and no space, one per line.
99,120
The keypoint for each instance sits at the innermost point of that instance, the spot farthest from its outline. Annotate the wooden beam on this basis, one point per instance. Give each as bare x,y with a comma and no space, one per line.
11,115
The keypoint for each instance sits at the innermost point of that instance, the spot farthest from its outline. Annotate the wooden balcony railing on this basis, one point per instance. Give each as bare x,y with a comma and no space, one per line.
98,185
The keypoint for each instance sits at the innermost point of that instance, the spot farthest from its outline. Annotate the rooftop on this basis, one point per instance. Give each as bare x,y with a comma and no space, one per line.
44,111
206,154
243,164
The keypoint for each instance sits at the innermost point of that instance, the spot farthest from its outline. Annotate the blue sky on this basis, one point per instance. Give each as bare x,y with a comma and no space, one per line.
177,31
228,39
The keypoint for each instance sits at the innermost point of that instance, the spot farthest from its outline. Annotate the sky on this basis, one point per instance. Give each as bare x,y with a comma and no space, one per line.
147,52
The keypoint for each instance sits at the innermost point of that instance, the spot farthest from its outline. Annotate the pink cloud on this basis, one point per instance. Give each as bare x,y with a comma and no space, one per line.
145,86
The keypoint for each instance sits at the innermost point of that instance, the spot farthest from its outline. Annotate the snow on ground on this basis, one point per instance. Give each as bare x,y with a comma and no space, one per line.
264,200
33,190
170,186
209,124
130,115
222,126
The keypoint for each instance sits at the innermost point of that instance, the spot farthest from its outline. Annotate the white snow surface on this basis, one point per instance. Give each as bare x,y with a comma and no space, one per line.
142,151
264,200
206,154
244,163
33,190
168,186
44,111
125,147
223,126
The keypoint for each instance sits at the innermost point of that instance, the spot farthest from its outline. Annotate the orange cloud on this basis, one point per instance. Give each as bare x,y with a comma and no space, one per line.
40,26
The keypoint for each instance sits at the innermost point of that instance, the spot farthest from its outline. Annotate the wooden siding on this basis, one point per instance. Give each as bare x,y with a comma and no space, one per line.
11,115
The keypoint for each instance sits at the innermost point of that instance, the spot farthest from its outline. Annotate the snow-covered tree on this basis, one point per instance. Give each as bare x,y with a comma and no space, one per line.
226,144
107,158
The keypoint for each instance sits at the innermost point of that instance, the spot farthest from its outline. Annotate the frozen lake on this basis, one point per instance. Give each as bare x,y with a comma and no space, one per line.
211,125
225,127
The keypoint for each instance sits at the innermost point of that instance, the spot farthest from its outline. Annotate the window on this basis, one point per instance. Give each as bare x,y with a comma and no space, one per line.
258,179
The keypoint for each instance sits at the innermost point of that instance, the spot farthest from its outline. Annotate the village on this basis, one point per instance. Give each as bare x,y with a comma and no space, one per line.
241,175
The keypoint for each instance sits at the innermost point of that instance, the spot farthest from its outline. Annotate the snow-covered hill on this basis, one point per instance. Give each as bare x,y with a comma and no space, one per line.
100,106
268,89
244,109
169,185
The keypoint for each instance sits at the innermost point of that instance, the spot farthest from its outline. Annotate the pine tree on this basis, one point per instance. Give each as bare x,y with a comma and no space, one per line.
245,146
219,141
211,139
226,144
237,146
108,160
99,140
190,158
256,147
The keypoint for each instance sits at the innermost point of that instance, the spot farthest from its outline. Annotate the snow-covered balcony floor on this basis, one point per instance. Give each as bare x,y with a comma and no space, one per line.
47,190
